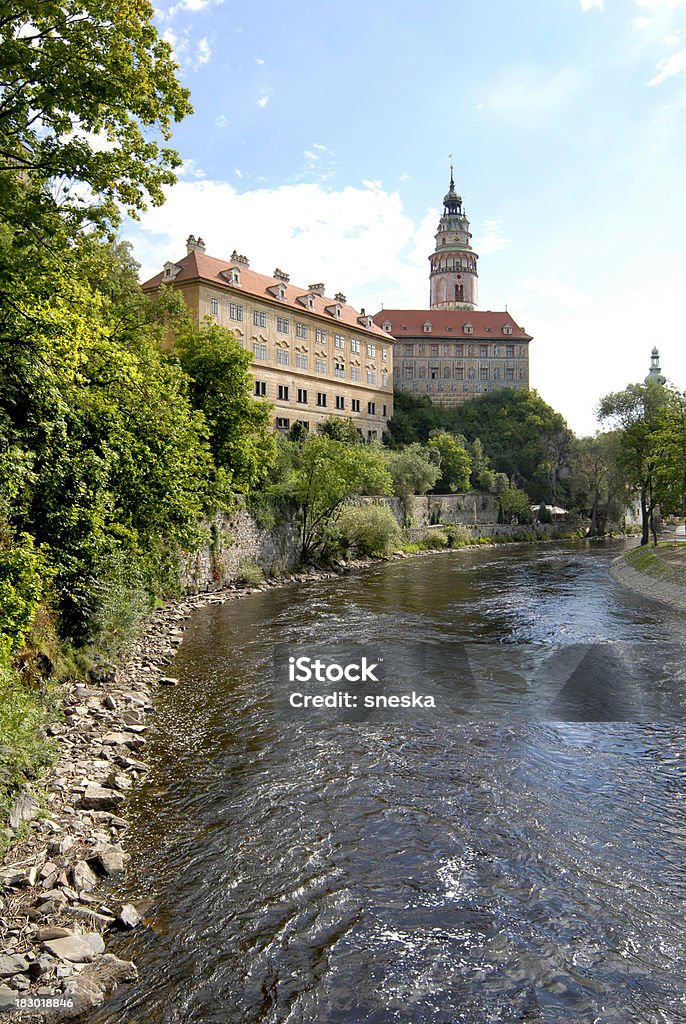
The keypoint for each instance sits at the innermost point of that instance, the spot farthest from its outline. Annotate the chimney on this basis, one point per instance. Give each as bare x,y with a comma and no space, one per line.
318,289
281,275
340,297
193,243
237,258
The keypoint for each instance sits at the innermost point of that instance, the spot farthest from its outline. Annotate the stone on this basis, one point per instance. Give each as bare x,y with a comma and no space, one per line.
12,964
110,858
7,998
120,781
110,702
92,986
52,931
91,917
168,681
83,876
99,798
95,941
128,916
73,948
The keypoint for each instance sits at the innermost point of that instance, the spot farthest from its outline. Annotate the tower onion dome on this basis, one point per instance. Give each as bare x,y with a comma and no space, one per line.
451,200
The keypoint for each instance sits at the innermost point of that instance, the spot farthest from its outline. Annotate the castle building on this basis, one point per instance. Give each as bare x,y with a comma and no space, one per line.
453,351
312,356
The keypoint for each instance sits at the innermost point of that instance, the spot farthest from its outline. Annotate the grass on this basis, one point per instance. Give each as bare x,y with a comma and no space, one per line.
644,560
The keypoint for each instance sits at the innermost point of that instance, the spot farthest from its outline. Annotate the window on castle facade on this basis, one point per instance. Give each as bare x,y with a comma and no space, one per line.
236,311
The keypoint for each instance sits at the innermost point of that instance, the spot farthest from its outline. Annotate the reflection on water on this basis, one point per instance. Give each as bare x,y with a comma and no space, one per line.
419,872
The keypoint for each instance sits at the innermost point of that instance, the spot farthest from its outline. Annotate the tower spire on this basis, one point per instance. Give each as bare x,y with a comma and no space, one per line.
453,279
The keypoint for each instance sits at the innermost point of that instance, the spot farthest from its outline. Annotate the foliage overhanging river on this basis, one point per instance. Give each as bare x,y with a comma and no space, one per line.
437,871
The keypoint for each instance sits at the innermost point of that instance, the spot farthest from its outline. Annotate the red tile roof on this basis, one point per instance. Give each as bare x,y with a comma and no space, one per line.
449,323
197,266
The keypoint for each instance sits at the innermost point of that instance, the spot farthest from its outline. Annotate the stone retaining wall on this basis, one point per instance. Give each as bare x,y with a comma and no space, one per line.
238,539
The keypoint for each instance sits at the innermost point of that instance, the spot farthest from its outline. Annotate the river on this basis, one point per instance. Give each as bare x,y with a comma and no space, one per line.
434,870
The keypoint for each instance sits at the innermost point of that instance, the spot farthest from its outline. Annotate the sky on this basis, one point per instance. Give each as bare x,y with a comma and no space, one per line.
320,143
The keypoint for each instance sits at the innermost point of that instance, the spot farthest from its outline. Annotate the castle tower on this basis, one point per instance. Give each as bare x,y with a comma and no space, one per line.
453,263
655,373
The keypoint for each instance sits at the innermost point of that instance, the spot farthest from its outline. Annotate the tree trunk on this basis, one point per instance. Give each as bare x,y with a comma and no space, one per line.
645,519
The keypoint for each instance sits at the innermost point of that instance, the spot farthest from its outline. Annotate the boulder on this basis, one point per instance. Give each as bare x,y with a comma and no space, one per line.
110,858
128,916
83,876
92,986
99,798
11,964
74,948
25,809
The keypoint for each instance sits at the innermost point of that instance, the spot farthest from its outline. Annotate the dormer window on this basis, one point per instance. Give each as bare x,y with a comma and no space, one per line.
507,329
235,276
170,271
335,310
468,329
427,327
387,326
278,290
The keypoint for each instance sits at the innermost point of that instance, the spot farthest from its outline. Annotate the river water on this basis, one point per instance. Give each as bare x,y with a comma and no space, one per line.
433,871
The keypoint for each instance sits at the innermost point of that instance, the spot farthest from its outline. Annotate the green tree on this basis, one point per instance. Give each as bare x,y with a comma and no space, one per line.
340,429
515,505
454,461
599,483
483,477
323,474
241,440
86,92
412,470
670,474
636,413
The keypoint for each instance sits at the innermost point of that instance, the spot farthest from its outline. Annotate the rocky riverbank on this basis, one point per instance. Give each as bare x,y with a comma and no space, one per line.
55,914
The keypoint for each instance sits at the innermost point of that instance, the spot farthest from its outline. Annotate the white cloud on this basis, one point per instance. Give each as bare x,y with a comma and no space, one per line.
259,60
237,171
190,7
669,67
190,169
358,240
203,52
659,5
558,292
641,23
222,121
587,5
263,100
525,95
491,240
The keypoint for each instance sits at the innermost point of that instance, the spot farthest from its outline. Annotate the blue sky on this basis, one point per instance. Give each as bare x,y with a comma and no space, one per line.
320,144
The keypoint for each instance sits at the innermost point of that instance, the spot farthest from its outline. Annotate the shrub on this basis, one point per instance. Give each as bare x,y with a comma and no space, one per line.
250,573
457,536
434,540
22,574
372,529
